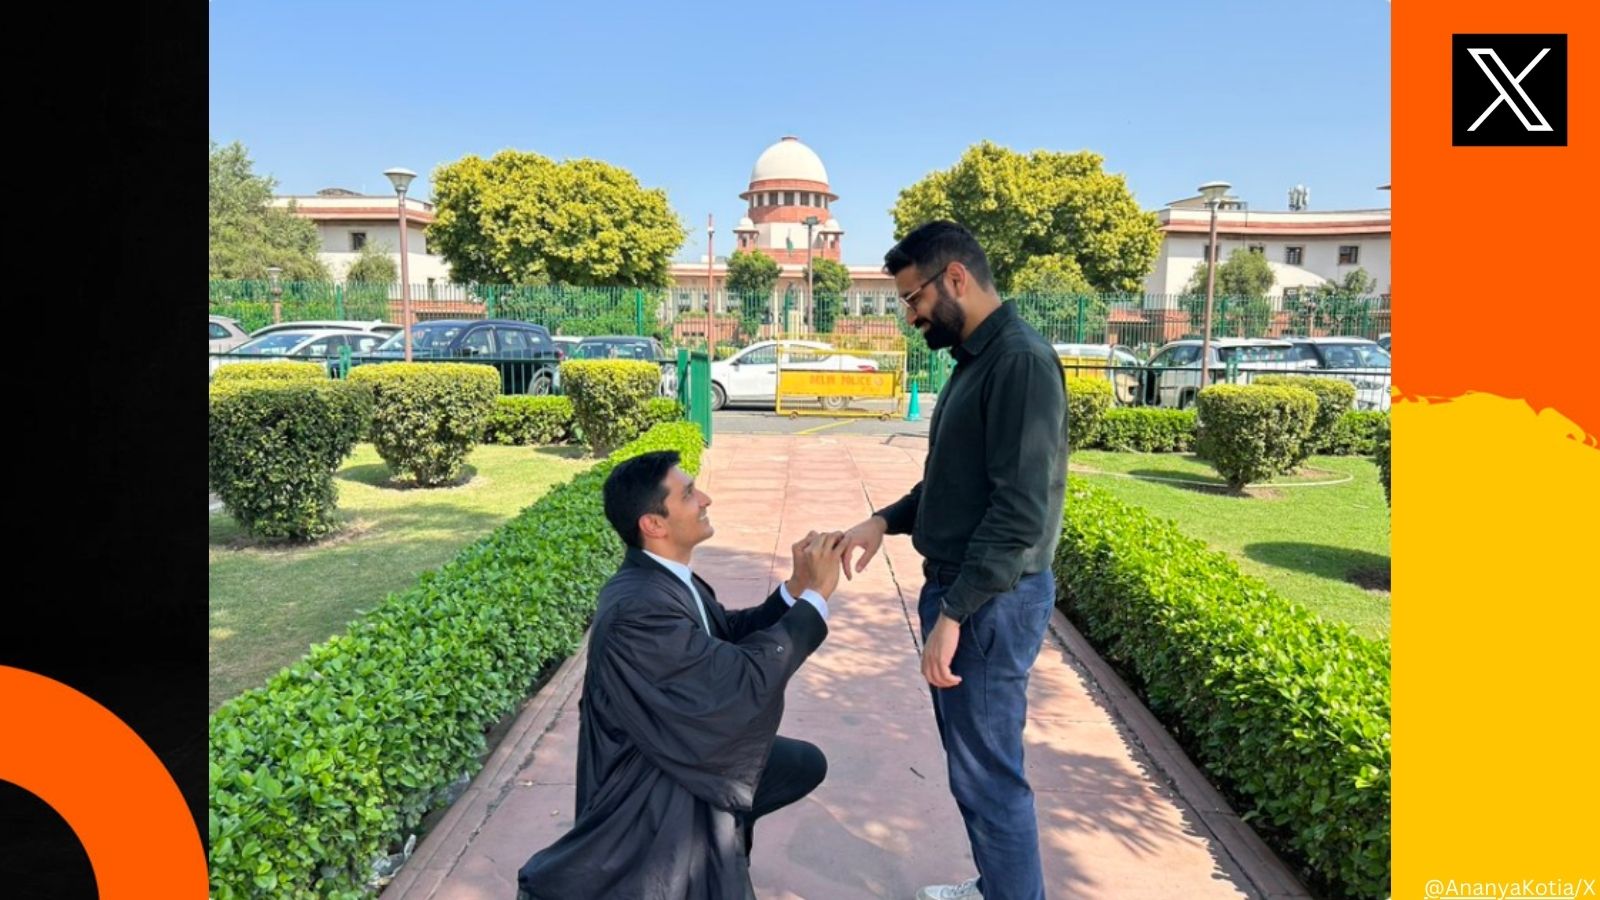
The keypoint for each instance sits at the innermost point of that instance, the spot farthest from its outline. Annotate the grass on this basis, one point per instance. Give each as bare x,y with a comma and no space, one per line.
1324,546
270,603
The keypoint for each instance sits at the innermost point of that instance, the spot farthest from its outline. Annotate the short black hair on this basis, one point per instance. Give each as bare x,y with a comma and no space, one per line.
933,245
634,488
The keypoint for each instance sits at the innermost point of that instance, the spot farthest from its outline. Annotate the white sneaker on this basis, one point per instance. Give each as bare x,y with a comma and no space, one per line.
966,890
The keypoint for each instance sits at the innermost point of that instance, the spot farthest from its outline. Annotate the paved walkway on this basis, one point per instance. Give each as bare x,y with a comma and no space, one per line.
1122,813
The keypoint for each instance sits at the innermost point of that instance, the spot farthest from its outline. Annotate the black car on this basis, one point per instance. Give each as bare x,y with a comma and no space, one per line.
523,352
644,349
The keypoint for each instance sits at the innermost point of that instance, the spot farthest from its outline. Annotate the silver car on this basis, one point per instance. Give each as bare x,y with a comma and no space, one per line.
225,335
307,344
1172,378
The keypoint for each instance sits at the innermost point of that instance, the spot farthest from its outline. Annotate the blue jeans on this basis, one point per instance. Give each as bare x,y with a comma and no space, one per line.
980,724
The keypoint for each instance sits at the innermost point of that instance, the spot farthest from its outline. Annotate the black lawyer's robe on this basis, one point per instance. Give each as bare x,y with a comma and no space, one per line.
674,729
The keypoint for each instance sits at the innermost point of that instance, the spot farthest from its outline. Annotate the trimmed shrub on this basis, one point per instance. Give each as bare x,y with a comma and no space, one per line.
1287,713
427,416
1147,430
1380,455
274,447
277,370
608,398
1334,399
337,758
1355,434
526,420
1088,399
1250,433
662,409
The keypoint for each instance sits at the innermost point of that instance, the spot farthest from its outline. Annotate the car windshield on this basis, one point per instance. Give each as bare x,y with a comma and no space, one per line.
273,344
423,337
1256,354
614,350
1355,356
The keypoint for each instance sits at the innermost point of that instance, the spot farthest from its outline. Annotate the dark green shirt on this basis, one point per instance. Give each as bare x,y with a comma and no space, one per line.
989,502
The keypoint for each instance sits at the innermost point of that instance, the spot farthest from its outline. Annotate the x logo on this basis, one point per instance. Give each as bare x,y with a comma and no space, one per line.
1478,55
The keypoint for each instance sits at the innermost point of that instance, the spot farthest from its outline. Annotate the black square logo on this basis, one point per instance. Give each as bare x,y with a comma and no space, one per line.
1510,90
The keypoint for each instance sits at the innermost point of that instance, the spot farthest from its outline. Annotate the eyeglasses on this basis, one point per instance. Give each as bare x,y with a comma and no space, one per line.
911,298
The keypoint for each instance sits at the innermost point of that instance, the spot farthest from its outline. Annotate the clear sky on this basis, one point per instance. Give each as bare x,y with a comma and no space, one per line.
686,96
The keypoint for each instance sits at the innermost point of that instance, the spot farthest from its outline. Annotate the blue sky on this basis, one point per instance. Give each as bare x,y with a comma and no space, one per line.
686,96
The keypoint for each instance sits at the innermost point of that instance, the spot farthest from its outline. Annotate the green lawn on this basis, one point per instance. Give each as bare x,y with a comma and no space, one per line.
269,604
1327,547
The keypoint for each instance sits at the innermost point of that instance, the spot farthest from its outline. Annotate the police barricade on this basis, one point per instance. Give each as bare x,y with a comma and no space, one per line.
843,376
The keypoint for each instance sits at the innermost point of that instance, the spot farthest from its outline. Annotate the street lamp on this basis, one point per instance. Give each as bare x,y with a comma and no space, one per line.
811,307
1213,192
277,293
401,179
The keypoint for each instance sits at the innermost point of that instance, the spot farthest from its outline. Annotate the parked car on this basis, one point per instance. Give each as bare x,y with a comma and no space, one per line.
225,335
645,349
1383,341
751,375
566,344
1361,362
1118,362
1172,377
375,326
307,344
524,353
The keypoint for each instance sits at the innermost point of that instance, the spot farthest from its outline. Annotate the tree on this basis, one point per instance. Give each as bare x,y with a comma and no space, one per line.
248,233
1051,293
373,265
1240,307
751,278
1338,306
520,218
1021,206
830,281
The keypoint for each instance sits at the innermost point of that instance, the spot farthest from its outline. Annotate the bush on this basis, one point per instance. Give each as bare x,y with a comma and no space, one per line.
529,420
1287,713
1088,398
1334,399
1250,433
277,370
662,409
339,756
1147,430
608,398
426,416
1380,455
274,447
1355,434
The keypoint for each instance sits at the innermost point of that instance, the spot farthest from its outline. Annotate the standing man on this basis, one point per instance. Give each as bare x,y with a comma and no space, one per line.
985,517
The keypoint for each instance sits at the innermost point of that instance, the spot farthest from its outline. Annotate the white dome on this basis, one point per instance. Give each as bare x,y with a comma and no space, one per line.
831,225
791,160
744,222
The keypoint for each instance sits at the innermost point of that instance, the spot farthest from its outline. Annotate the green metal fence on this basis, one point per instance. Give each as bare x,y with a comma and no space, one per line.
679,318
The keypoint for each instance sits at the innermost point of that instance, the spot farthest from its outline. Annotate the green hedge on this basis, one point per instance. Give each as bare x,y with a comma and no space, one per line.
1088,399
662,409
338,757
277,370
609,397
529,420
1286,712
427,416
1356,434
1250,433
274,446
1380,455
1334,399
1147,430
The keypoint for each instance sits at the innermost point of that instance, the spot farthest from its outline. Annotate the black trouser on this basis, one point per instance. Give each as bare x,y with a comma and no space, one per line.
794,769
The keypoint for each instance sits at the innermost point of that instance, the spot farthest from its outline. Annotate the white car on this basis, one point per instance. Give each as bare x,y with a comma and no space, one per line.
376,326
1115,362
1172,378
751,375
308,344
1363,363
225,335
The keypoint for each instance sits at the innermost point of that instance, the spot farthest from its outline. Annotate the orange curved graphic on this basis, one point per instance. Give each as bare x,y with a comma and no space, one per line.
134,826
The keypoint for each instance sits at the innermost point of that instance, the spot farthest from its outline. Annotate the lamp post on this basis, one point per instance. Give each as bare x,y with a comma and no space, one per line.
277,293
811,308
1213,191
401,179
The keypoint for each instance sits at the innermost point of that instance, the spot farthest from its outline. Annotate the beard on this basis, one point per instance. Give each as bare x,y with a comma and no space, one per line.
945,322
